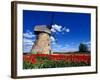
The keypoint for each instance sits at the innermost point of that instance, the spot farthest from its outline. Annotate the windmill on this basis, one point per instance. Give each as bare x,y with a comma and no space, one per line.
42,43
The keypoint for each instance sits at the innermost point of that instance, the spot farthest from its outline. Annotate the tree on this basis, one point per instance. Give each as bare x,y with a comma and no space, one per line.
83,48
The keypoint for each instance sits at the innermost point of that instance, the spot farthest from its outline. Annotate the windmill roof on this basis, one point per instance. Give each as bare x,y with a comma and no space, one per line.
42,28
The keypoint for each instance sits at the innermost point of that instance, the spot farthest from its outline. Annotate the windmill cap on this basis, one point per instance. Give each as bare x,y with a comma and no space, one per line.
42,28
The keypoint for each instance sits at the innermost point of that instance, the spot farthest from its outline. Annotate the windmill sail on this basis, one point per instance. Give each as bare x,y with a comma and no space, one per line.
42,42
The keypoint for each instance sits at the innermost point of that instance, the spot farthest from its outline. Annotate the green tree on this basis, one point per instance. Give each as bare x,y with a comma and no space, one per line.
83,48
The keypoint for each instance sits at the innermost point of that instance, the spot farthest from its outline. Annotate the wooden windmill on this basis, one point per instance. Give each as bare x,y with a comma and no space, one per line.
42,42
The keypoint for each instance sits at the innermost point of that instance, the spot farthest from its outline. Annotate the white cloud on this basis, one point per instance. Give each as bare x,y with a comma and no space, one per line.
27,44
28,34
67,30
27,48
64,28
28,41
53,30
56,27
53,43
52,39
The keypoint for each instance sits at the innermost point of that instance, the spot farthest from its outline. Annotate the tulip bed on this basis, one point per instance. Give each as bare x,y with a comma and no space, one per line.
36,61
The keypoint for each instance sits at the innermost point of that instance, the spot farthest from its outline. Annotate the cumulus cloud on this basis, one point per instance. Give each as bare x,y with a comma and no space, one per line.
56,27
27,44
28,41
52,39
53,30
59,28
67,30
64,28
27,48
28,34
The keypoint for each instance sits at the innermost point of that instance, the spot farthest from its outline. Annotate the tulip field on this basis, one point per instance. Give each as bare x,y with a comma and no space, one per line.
36,61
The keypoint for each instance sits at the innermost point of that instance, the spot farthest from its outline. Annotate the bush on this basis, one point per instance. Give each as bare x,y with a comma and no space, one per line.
83,48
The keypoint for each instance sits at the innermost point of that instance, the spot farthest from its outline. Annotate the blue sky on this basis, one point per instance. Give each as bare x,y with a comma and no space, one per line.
68,29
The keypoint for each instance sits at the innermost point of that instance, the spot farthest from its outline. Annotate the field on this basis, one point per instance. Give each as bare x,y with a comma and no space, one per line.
56,60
